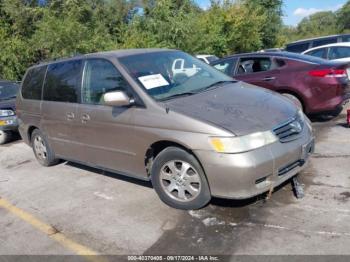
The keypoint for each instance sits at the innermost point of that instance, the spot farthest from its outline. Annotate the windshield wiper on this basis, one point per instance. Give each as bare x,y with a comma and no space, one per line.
216,84
178,95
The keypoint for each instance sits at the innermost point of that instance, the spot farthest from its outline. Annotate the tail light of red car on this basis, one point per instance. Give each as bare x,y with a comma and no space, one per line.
335,73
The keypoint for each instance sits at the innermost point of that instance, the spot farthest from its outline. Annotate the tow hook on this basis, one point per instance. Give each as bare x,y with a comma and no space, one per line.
298,189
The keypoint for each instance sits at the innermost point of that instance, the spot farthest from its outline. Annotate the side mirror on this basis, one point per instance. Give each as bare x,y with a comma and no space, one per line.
117,98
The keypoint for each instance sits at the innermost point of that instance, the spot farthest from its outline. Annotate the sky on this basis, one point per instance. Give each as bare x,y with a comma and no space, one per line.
296,10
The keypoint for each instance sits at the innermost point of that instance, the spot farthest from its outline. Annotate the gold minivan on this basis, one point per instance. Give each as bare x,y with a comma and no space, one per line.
195,134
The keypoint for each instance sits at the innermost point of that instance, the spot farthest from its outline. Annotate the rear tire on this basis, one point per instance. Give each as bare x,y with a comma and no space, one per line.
294,99
42,150
5,136
179,179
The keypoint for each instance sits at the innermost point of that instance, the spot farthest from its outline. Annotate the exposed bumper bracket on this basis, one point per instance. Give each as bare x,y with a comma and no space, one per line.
298,189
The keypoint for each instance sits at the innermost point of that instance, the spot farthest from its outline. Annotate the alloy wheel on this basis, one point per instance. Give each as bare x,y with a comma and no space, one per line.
180,180
40,148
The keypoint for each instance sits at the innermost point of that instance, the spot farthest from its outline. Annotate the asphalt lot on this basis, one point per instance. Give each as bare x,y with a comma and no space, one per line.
73,209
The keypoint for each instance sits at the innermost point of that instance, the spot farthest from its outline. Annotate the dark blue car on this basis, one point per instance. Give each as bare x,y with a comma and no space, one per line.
8,119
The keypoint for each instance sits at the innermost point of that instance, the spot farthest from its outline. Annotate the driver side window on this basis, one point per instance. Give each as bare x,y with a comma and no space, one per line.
100,77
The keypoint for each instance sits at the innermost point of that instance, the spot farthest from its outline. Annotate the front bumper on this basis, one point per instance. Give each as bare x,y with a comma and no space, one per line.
245,175
9,123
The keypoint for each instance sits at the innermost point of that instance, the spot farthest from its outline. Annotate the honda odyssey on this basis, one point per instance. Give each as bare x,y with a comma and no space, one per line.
194,136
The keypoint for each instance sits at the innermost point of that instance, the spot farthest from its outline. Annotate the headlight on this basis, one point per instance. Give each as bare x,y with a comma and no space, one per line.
7,113
242,143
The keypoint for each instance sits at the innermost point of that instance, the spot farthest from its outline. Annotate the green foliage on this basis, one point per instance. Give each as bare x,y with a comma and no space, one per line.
271,10
343,17
319,24
31,32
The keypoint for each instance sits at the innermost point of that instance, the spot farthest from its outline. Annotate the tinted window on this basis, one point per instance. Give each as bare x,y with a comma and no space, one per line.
100,77
212,58
280,62
339,52
178,64
321,53
327,41
298,48
33,83
346,38
254,65
63,82
226,66
8,90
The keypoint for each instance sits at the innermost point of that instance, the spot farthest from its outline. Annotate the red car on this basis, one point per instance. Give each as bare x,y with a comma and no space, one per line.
318,86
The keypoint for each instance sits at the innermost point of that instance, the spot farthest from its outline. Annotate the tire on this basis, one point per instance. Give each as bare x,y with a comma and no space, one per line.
294,99
42,150
5,136
179,179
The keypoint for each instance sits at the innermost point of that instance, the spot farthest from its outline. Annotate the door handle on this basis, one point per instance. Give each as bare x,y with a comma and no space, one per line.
70,116
85,118
269,78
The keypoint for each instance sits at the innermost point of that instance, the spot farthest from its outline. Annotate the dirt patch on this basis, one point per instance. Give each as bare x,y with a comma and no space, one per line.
344,197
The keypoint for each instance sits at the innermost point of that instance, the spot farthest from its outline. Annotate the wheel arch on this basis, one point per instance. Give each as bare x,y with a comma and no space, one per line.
30,132
296,94
158,146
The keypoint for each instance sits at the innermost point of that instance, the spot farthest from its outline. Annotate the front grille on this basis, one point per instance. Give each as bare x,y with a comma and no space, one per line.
289,131
290,167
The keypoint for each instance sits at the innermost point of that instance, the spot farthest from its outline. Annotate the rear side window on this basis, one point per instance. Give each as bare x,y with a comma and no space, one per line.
298,48
321,53
33,83
339,52
280,62
63,81
324,41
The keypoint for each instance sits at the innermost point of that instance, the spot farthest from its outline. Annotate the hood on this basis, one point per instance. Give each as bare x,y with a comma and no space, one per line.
237,107
8,104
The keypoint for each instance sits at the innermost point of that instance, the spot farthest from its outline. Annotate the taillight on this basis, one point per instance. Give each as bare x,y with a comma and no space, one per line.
328,73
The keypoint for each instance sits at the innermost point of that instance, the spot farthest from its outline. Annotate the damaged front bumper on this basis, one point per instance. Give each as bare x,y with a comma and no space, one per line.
245,175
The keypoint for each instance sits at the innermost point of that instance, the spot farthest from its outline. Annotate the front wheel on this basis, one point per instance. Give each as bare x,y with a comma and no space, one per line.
179,179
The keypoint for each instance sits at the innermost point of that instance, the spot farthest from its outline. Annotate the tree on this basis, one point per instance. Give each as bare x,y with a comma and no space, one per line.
318,24
272,26
343,18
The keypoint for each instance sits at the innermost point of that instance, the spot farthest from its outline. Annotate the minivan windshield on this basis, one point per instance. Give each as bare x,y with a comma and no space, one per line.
169,74
8,90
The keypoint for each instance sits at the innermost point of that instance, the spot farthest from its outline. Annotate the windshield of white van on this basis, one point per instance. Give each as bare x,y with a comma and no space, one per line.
169,74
